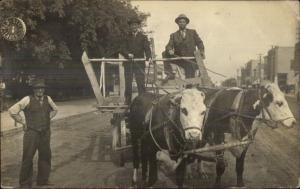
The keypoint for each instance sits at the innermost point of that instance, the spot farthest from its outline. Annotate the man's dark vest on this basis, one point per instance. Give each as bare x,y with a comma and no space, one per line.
38,115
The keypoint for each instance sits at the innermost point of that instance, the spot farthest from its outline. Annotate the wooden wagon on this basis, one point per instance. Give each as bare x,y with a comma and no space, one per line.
121,148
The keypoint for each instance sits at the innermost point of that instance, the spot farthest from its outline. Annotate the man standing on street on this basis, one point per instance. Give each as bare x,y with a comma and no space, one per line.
38,109
182,43
136,46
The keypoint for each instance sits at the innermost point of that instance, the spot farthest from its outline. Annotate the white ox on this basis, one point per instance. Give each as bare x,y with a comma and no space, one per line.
192,112
185,109
278,110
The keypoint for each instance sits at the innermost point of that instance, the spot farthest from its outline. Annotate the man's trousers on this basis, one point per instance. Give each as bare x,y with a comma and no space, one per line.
138,69
189,67
36,141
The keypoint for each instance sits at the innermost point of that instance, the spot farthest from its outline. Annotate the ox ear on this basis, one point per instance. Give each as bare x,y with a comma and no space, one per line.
256,105
176,99
202,94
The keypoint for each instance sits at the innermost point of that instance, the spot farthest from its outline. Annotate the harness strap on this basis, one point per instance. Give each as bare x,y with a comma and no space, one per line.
153,138
211,101
237,101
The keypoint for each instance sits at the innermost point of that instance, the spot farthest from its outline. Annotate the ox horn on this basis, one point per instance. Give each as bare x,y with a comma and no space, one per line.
176,99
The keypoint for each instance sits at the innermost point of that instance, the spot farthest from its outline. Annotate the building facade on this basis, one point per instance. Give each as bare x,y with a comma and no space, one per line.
295,66
250,73
278,66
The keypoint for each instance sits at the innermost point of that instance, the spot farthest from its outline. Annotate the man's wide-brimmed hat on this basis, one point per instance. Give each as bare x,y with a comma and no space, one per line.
182,16
134,20
38,83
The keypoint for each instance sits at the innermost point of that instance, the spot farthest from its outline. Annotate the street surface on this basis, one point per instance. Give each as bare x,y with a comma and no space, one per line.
81,157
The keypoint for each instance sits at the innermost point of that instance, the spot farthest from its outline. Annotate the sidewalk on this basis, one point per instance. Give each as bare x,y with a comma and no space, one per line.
65,109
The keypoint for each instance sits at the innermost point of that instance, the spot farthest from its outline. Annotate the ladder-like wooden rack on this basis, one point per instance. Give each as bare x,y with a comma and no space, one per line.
117,103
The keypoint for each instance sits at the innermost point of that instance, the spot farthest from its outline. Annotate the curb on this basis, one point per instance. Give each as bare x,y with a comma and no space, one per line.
54,123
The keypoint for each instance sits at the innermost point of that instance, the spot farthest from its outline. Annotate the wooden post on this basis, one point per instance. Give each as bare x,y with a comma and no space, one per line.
204,75
103,79
122,81
154,64
92,77
100,76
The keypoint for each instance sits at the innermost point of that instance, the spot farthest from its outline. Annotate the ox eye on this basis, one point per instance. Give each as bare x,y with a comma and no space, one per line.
203,113
184,111
279,103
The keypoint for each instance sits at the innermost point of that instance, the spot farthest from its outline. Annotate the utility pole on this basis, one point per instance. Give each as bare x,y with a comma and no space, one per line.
238,78
259,68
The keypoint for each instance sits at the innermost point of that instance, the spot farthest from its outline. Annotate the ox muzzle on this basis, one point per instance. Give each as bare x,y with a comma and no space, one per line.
193,134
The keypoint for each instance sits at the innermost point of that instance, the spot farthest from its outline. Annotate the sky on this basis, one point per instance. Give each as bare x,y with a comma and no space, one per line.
233,32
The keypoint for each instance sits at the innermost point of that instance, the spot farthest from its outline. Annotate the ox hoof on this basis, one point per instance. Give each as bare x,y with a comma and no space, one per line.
189,174
134,184
144,183
150,183
240,184
217,184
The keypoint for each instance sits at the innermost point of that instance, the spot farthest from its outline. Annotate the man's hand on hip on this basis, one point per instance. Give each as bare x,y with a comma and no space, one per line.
150,60
131,56
24,125
171,52
202,55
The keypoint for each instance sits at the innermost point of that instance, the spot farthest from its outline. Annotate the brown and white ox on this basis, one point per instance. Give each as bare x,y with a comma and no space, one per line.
240,112
164,124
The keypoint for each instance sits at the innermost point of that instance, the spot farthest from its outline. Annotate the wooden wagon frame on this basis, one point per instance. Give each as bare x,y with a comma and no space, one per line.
120,134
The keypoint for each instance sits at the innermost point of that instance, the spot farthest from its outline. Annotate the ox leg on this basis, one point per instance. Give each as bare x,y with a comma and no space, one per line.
136,161
240,168
220,168
180,171
144,158
152,169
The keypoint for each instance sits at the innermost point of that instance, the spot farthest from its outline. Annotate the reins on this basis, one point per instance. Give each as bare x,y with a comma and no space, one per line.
181,142
163,124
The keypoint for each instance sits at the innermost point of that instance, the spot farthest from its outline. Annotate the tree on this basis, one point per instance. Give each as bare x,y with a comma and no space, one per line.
59,30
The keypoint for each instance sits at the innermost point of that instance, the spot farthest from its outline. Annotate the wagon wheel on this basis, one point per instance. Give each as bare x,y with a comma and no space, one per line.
123,133
119,133
115,137
118,140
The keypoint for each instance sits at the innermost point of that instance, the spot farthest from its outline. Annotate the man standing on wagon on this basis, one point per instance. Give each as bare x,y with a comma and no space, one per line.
182,43
38,109
136,46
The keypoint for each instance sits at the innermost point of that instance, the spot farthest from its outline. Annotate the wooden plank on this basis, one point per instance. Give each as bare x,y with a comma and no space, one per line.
154,63
123,148
204,75
103,79
122,80
113,106
218,147
139,59
100,76
92,77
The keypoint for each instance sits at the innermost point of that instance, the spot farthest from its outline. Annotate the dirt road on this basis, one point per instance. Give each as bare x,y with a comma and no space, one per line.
81,158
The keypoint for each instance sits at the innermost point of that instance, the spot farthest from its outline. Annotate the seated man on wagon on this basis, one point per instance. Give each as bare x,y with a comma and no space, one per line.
182,43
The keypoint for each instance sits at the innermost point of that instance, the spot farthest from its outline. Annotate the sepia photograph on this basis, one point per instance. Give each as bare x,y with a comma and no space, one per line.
150,94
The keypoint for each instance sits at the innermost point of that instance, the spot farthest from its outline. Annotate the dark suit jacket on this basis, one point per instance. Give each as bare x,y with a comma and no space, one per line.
186,46
137,45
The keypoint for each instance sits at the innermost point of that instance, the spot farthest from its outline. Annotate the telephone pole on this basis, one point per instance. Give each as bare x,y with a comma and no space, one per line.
259,68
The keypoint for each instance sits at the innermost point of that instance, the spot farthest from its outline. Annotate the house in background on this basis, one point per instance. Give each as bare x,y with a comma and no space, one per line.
278,66
295,66
249,73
